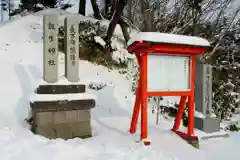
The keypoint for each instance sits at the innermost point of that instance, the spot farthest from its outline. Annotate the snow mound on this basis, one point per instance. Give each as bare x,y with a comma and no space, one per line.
21,67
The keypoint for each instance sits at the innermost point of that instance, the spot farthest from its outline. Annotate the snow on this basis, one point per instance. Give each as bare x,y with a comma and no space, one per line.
199,114
21,71
61,81
60,97
168,38
99,40
204,136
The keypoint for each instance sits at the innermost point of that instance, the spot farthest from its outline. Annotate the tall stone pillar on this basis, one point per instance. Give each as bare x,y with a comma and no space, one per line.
50,48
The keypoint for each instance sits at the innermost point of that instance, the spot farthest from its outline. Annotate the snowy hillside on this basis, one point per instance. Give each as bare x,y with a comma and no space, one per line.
21,70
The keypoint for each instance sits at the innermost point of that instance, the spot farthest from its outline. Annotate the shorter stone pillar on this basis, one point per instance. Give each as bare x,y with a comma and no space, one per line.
203,100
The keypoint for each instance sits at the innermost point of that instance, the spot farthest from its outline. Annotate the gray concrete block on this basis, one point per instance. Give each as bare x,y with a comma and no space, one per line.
59,117
84,115
81,129
208,125
43,118
46,131
72,116
62,130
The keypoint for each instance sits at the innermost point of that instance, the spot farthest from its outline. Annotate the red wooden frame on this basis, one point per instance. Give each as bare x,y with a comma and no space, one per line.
141,50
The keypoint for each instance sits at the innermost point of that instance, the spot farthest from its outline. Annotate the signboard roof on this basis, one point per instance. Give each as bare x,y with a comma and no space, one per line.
165,38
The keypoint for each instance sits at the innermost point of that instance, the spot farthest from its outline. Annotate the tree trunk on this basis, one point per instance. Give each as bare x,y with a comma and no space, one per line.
96,11
109,9
116,17
124,28
82,7
46,3
130,17
52,3
147,16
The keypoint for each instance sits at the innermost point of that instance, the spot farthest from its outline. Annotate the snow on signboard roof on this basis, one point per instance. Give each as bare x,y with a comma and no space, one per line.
158,37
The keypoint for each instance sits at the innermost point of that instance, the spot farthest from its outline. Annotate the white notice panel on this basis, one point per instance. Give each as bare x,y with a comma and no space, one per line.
168,73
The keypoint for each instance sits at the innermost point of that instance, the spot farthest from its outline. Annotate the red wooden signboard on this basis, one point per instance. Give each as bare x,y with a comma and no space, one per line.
147,44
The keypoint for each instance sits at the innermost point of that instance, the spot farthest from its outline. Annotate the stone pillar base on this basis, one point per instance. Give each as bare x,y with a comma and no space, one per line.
208,124
62,119
62,111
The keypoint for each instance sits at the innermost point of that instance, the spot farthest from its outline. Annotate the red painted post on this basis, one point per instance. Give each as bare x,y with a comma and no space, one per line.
191,99
179,113
190,115
136,109
137,105
144,98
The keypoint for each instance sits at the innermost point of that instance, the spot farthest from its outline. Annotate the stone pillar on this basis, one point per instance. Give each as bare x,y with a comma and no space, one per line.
204,89
50,48
71,48
207,90
203,99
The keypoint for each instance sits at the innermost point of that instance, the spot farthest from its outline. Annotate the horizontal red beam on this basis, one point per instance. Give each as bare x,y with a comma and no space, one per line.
170,93
177,49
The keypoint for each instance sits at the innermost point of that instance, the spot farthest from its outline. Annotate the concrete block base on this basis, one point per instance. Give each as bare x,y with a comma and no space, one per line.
66,118
208,125
65,124
65,130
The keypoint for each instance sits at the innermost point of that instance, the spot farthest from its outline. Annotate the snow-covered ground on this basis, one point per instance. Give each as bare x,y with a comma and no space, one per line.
21,55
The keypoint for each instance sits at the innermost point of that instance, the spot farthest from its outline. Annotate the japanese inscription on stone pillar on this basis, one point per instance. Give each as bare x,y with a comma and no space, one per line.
72,48
207,88
50,47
